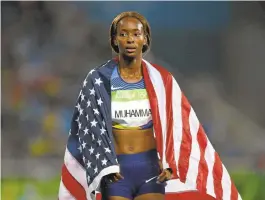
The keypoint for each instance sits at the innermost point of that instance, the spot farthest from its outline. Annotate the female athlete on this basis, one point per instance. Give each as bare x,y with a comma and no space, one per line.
141,176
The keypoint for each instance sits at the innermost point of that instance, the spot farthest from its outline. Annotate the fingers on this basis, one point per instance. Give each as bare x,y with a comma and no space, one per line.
119,176
161,178
115,177
164,176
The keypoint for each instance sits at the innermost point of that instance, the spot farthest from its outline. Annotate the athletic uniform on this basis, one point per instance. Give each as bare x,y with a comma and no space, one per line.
131,110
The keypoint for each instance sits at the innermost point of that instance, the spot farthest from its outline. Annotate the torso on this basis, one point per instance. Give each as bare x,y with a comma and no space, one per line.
131,116
133,141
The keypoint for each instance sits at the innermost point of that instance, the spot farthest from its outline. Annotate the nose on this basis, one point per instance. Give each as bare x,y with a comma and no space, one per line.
130,39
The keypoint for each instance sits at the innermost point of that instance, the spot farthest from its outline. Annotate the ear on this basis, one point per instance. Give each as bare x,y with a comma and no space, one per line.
145,40
115,42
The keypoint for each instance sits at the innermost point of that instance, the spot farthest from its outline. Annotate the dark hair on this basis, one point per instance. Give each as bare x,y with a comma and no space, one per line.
141,18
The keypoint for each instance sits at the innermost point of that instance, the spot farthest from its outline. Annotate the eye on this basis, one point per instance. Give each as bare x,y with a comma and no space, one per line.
137,34
123,34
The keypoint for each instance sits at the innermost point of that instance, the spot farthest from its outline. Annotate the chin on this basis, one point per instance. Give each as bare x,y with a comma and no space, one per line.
129,56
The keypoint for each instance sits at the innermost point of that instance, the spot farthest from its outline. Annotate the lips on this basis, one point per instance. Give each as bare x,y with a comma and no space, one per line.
130,49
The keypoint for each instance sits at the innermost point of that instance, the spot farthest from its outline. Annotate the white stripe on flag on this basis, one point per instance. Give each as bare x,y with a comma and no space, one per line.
239,197
64,194
226,184
76,170
209,157
195,151
176,186
177,120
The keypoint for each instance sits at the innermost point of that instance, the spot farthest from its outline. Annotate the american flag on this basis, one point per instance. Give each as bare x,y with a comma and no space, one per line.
182,143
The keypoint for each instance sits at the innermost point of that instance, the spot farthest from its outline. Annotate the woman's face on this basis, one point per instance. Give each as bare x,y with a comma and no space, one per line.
130,37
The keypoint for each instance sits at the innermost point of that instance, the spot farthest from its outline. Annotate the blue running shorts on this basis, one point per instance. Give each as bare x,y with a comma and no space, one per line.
140,172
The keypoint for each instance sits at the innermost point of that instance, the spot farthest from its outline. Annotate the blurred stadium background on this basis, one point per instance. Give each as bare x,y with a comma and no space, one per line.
216,50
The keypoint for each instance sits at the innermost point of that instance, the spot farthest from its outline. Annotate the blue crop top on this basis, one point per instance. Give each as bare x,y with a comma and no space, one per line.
130,106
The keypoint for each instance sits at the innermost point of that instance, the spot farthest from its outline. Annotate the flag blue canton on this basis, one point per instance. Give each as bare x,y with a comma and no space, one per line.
90,138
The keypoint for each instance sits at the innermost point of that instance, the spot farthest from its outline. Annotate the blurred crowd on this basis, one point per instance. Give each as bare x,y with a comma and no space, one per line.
47,49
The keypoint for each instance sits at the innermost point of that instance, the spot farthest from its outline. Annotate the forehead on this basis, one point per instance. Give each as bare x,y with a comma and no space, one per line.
129,23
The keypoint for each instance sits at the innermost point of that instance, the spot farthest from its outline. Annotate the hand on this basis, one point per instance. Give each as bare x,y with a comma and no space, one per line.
165,175
115,177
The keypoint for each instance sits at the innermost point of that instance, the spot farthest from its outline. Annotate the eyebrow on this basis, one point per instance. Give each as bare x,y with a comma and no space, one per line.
135,29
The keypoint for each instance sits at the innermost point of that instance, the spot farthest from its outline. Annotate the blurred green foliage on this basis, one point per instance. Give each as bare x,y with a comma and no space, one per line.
250,185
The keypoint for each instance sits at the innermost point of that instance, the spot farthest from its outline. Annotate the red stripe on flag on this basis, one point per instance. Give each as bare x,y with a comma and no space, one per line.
186,143
168,83
180,196
203,167
188,195
217,177
170,139
234,193
154,109
72,185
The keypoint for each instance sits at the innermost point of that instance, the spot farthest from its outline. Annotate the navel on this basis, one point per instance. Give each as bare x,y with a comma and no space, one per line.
131,148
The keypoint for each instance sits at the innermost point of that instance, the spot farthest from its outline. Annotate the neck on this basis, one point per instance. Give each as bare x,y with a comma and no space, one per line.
130,64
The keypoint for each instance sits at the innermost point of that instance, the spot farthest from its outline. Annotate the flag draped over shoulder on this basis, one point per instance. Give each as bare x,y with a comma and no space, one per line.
182,143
